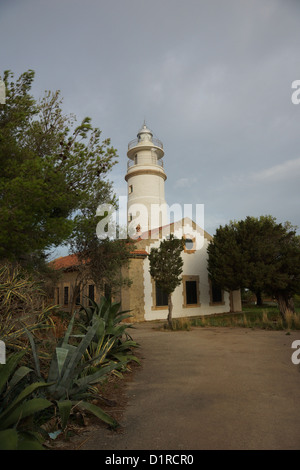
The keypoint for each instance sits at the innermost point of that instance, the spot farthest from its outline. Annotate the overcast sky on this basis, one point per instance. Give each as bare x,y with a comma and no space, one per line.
213,80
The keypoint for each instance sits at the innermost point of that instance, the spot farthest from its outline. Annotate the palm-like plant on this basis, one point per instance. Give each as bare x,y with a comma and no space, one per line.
111,340
19,405
21,306
70,381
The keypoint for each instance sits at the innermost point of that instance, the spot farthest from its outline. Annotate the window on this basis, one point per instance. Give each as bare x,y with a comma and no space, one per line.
189,245
191,293
130,189
57,295
135,159
129,217
216,294
66,295
161,297
91,294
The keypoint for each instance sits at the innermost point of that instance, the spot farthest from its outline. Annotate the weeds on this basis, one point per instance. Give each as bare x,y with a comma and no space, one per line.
181,324
267,318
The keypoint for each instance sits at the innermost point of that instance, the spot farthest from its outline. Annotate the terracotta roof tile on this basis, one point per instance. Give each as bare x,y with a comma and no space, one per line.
140,252
65,262
71,261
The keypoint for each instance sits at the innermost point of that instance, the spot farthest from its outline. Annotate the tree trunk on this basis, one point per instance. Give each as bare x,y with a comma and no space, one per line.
285,305
170,309
76,291
72,308
258,298
291,304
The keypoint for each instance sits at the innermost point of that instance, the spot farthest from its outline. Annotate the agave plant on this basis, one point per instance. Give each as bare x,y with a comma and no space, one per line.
69,382
107,310
111,337
18,406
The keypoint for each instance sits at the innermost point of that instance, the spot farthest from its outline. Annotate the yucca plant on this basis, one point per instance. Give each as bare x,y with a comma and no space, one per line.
111,336
22,306
106,309
19,405
69,382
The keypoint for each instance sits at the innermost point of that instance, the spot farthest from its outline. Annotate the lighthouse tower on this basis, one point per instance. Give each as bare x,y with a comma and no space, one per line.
146,207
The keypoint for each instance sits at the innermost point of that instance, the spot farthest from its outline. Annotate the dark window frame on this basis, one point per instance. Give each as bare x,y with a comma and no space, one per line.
196,283
216,294
161,297
91,292
191,292
66,295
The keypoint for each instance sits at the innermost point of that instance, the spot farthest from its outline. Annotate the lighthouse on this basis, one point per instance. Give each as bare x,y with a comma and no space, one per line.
145,177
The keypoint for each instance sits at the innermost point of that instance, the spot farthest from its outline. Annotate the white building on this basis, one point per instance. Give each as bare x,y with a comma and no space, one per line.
148,222
146,182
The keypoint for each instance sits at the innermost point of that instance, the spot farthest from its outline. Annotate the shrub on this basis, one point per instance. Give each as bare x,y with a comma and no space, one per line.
19,406
69,381
22,306
112,340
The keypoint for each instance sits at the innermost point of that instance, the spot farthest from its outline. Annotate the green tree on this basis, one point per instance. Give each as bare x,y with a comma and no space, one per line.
100,259
258,254
166,267
50,169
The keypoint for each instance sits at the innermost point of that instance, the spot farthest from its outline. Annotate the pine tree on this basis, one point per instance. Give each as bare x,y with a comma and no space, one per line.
258,254
51,169
166,267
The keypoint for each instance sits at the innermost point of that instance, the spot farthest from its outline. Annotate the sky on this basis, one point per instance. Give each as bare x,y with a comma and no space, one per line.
212,79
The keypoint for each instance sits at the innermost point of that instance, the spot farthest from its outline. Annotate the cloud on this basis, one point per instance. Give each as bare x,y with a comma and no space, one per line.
184,182
284,171
212,79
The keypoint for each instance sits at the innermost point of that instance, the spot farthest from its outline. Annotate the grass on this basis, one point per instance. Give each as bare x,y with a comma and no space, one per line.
252,316
181,324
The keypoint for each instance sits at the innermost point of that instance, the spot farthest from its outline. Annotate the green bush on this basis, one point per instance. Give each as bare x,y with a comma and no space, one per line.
69,379
31,398
112,340
22,306
19,406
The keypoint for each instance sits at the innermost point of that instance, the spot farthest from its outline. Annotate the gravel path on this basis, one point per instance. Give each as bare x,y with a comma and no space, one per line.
209,388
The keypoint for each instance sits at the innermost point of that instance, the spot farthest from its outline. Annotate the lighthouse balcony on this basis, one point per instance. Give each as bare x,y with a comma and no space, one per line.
136,142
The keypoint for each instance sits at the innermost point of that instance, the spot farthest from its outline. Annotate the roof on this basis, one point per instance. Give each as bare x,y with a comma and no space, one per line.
158,232
72,261
65,262
140,252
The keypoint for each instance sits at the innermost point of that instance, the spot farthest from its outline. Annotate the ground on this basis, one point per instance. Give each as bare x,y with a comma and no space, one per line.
80,429
208,388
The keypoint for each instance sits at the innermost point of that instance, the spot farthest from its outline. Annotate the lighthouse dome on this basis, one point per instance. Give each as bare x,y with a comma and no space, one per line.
144,134
145,141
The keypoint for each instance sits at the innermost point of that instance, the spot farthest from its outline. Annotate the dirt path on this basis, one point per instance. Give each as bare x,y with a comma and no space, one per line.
209,388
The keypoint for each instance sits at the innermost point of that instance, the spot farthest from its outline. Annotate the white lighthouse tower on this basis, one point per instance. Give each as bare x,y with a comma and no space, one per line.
146,207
